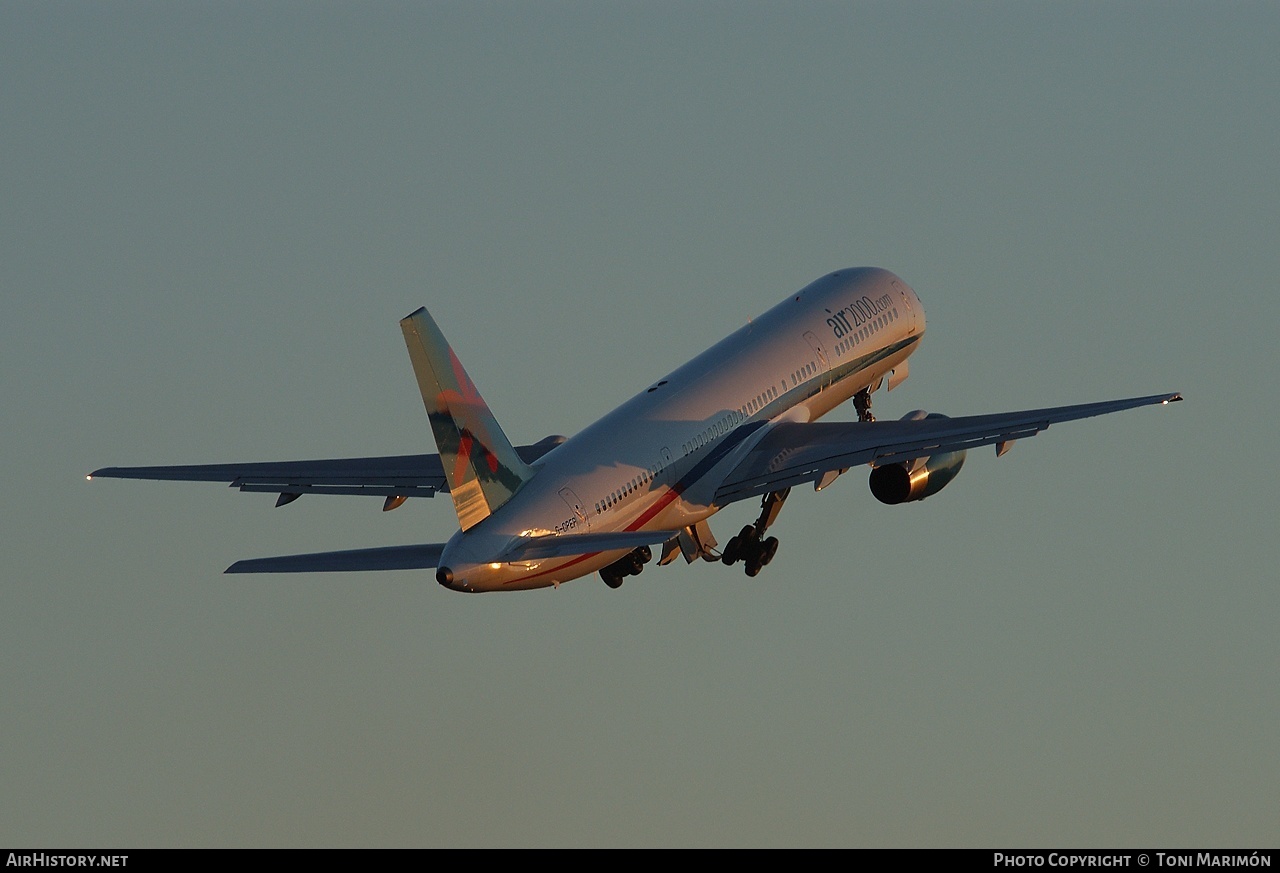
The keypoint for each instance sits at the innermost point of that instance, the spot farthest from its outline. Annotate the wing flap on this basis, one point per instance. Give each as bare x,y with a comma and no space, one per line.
793,453
415,557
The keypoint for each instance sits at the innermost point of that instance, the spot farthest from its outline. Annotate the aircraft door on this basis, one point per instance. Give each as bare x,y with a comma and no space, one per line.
906,303
581,521
816,344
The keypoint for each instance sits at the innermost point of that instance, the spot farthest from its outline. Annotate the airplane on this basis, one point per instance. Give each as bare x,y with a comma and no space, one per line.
738,421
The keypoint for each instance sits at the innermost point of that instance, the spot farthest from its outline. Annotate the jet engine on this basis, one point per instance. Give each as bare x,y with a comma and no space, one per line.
918,478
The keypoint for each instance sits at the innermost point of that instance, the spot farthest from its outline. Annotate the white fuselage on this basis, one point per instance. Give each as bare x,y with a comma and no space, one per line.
654,463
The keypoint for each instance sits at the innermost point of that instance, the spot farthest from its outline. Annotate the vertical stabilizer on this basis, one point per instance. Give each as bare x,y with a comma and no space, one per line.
482,467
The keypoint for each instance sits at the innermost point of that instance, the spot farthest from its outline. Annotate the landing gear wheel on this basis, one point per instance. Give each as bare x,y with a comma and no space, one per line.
751,545
737,548
629,564
768,549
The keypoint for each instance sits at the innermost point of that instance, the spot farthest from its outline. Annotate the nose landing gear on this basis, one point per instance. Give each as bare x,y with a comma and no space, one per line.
862,403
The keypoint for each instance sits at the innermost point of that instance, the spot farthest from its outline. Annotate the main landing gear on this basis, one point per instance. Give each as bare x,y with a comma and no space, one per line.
629,564
750,545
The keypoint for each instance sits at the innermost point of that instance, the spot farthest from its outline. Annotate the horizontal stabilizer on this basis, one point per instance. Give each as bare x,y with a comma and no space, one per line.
585,544
416,557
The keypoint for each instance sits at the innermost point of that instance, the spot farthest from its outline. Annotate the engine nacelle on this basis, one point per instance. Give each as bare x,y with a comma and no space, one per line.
917,479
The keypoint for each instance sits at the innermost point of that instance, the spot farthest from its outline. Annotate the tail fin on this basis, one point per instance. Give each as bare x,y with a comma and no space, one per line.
480,464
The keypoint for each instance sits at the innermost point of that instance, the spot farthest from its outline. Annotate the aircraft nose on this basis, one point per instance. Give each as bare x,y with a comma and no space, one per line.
444,576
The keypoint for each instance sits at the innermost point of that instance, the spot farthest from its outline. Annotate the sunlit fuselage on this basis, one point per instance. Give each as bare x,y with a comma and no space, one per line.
654,462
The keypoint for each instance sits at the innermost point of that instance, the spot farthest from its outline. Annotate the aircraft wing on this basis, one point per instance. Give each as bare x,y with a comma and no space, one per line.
793,453
392,476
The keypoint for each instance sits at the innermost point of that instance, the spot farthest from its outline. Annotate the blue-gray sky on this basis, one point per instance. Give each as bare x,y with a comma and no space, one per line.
214,215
